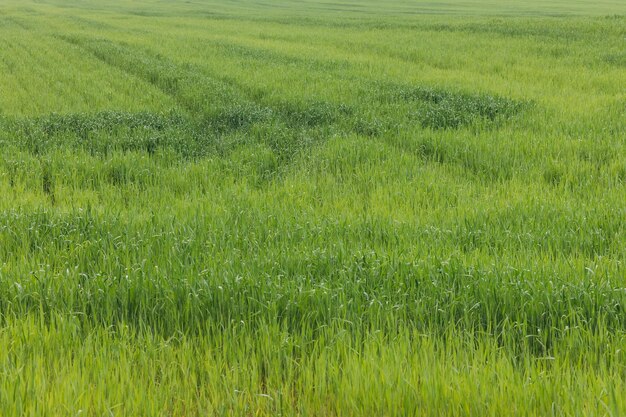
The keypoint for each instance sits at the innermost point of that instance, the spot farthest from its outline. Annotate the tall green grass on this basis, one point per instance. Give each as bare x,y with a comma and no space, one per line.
312,209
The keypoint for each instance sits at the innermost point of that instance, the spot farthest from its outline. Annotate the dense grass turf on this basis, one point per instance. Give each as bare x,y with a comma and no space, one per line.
312,208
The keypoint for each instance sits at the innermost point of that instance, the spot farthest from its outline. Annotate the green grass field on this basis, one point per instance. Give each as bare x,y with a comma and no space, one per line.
316,208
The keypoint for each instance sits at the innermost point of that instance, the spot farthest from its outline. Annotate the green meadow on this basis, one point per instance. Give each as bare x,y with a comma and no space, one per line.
312,208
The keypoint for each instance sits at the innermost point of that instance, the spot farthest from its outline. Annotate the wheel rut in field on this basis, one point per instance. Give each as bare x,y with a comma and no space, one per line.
216,115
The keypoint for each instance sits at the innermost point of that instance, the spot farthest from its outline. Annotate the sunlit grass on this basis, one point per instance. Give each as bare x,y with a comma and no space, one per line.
314,209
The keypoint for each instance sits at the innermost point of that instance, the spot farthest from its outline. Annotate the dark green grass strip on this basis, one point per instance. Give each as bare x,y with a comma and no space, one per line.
226,105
